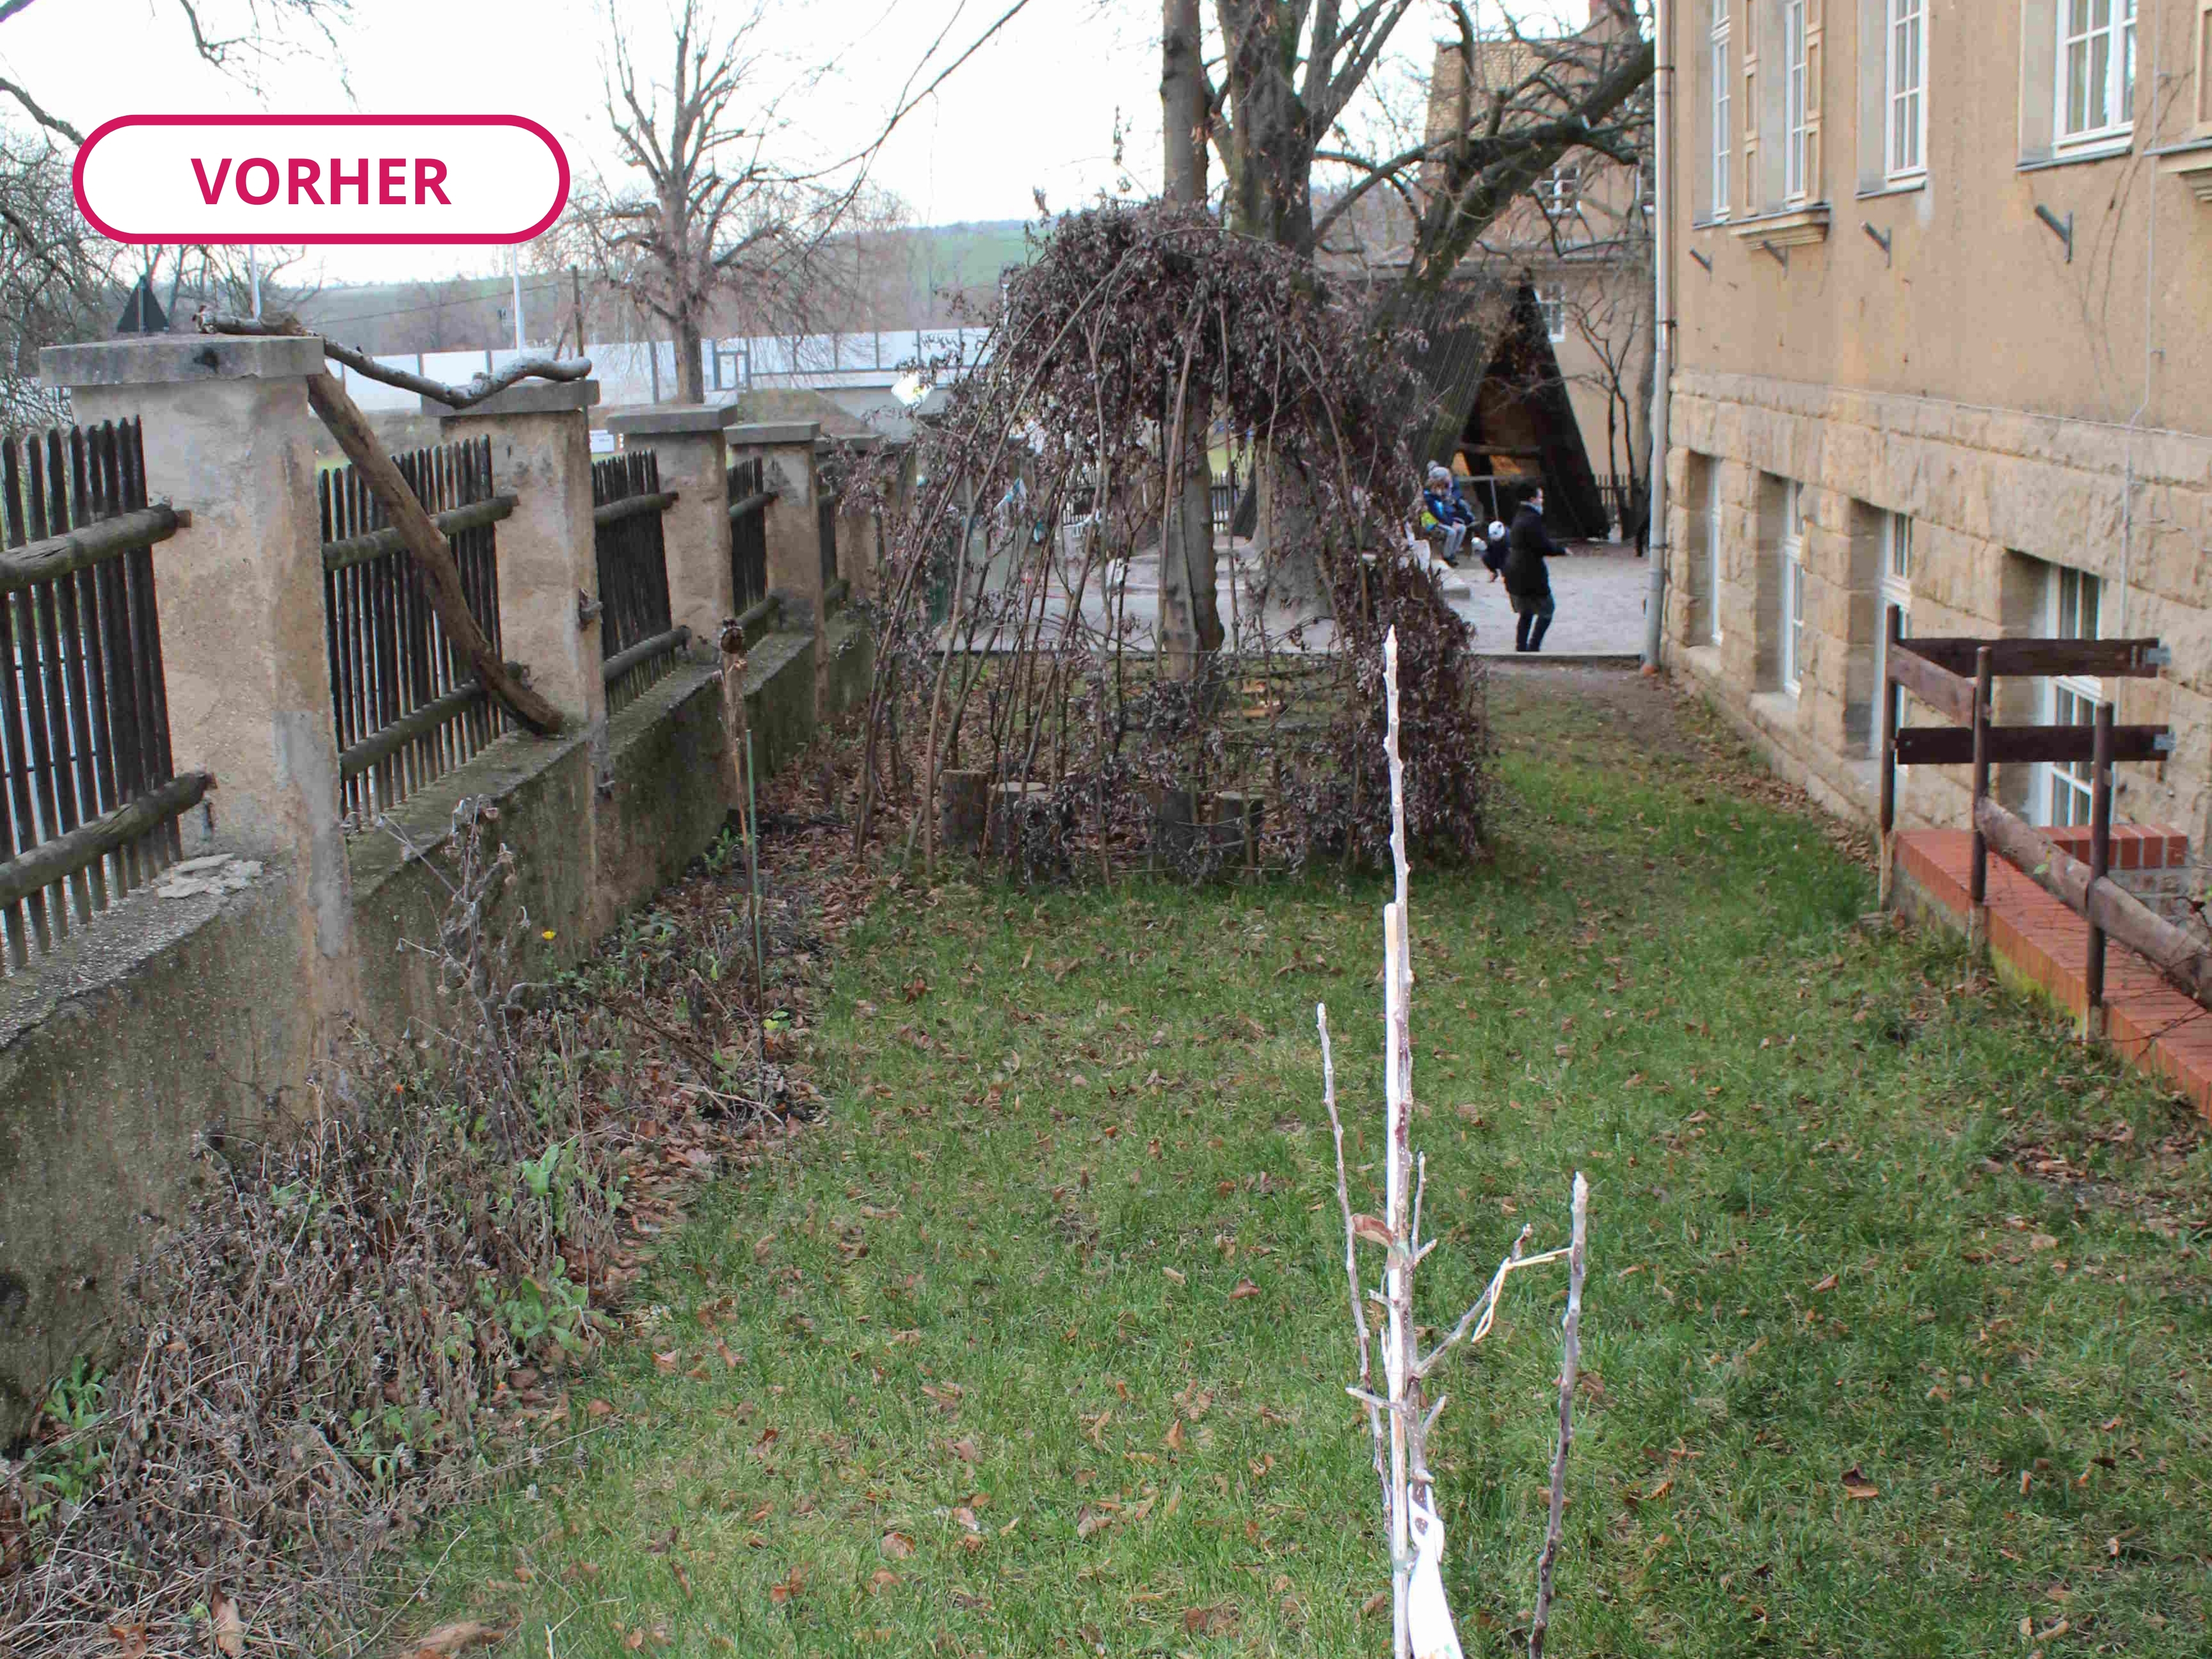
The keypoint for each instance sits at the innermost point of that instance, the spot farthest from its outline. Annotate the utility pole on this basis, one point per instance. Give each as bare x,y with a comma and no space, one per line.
515,275
577,286
1662,336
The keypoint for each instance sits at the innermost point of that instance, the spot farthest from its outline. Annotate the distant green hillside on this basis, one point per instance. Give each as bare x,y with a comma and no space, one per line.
467,313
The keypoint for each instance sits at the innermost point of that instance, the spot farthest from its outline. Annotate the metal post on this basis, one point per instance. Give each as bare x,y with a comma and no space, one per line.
514,275
2101,856
1977,881
1892,696
1662,331
752,868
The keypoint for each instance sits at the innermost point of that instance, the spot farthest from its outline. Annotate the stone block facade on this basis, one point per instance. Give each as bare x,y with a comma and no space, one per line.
1997,502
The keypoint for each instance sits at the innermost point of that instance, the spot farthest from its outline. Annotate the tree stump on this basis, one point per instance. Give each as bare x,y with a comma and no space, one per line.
1176,831
1237,820
963,802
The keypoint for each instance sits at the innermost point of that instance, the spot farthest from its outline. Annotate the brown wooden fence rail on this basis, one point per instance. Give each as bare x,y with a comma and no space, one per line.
408,705
88,797
638,639
1956,677
749,499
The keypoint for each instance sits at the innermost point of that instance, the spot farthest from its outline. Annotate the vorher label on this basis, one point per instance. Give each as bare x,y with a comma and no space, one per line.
321,178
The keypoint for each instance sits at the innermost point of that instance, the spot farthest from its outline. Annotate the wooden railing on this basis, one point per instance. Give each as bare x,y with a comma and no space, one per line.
408,706
748,499
639,640
88,800
1956,677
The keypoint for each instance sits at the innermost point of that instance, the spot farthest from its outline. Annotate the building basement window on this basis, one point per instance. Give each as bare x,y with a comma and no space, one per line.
1793,588
2076,607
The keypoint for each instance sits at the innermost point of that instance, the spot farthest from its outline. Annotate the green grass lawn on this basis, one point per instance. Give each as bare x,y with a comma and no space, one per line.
968,1369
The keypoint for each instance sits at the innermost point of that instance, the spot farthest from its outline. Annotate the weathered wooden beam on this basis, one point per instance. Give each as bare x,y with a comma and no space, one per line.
349,551
54,860
1953,745
631,506
2182,958
2134,659
622,661
76,549
418,723
1949,695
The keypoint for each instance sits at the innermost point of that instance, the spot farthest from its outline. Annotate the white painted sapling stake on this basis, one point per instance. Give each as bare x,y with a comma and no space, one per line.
1399,1418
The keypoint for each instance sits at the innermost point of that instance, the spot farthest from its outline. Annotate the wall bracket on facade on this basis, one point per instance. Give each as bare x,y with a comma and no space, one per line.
2062,228
1881,239
1701,260
1781,254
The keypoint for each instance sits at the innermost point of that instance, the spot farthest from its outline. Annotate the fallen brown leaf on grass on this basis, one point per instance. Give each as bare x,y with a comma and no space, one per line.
1827,1284
229,1628
665,1363
1375,1604
966,1518
1245,1288
457,1638
794,1582
881,1580
896,1544
129,1640
966,1450
1173,1441
1857,1485
1210,1621
1089,1521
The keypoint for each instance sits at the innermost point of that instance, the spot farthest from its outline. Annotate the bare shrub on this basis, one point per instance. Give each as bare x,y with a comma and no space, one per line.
311,1348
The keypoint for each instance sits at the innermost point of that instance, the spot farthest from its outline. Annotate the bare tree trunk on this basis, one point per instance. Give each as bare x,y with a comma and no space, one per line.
690,364
1190,611
1289,537
1183,102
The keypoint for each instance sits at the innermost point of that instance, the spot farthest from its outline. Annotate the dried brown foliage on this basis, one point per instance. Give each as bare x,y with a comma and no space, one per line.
1052,468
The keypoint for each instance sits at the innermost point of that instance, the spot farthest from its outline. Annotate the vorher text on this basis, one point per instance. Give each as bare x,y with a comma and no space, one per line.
257,180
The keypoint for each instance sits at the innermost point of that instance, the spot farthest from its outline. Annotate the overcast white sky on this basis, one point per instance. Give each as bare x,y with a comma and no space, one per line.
1035,108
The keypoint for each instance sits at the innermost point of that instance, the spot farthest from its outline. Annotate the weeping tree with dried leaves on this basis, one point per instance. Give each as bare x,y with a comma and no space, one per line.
1012,642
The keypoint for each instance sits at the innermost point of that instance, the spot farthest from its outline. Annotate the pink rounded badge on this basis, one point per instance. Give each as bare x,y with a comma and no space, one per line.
321,178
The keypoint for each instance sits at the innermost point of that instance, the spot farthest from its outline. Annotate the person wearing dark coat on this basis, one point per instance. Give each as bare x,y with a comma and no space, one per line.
1527,581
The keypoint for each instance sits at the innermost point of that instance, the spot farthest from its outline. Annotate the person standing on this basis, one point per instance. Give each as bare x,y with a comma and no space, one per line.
1527,579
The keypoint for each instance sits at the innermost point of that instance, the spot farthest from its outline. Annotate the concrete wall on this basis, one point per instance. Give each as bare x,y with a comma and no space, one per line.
169,1024
1969,378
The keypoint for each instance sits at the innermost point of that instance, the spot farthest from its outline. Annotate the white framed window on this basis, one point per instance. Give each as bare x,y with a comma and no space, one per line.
1796,100
1904,138
1551,301
1896,592
2076,612
2096,69
2204,65
1793,587
1720,136
1713,553
1560,190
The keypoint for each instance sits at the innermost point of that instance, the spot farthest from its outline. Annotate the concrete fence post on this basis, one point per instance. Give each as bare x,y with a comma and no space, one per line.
694,459
230,439
549,567
856,530
791,519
